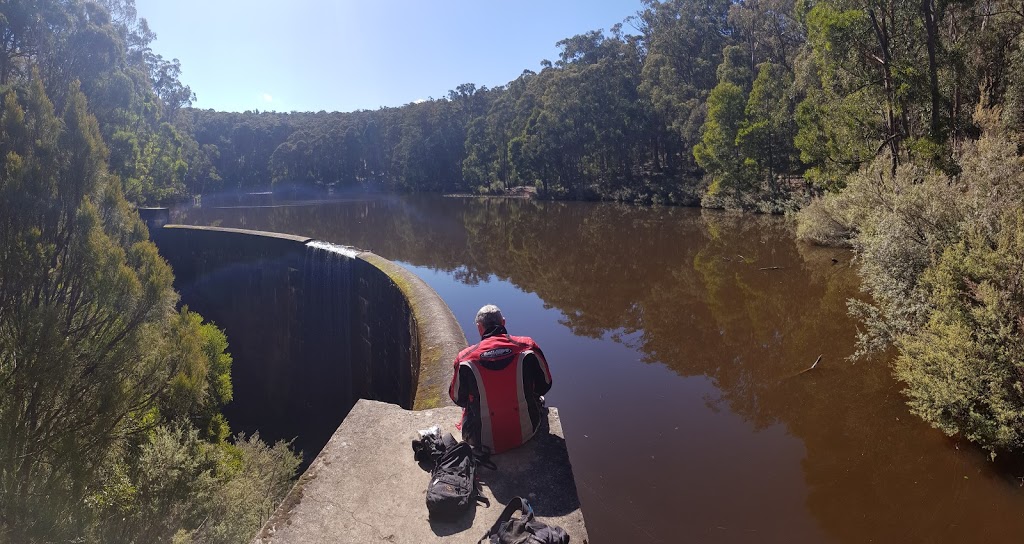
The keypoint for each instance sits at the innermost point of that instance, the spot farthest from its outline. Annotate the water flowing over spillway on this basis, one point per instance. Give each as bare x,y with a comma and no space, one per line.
318,247
329,304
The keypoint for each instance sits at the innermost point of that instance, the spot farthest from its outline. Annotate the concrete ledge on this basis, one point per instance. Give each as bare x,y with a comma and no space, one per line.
436,336
365,486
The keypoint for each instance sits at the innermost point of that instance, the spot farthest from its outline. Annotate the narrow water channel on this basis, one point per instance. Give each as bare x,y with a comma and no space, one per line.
676,339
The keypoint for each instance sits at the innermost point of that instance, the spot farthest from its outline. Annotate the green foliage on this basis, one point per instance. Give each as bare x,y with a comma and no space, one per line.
963,369
182,488
767,135
718,152
85,298
834,135
615,117
132,92
735,67
830,86
110,424
826,222
940,258
897,222
260,476
202,384
684,41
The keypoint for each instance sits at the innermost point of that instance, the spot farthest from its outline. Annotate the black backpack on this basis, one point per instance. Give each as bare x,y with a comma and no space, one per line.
525,529
452,488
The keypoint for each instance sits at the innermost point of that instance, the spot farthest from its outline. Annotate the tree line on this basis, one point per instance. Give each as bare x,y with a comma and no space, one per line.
726,104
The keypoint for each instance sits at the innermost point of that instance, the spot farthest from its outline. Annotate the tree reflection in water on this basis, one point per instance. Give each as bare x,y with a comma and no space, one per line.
678,363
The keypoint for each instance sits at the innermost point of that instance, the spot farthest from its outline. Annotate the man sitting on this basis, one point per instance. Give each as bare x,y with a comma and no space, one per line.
500,383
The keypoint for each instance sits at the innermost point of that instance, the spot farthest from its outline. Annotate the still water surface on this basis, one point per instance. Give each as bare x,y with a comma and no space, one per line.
676,349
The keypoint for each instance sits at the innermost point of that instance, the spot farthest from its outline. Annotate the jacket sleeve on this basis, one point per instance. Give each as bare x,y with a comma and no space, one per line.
537,373
462,386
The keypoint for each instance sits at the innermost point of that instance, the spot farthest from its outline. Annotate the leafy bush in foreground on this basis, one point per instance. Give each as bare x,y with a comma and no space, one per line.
110,424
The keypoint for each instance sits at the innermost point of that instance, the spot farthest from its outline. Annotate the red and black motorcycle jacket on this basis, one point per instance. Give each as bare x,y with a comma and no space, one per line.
499,382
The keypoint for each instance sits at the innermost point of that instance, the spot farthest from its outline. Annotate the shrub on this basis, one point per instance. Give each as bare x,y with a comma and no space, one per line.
182,488
964,368
940,257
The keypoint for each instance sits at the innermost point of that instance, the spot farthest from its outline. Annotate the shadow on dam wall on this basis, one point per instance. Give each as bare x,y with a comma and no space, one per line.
312,327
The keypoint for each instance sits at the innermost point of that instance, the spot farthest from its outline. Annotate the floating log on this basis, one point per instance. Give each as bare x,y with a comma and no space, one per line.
816,361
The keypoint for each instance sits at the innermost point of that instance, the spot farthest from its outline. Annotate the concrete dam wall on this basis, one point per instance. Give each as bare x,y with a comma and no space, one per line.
312,327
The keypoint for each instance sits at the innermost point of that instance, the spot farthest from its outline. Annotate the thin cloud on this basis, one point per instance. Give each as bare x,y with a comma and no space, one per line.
419,101
267,98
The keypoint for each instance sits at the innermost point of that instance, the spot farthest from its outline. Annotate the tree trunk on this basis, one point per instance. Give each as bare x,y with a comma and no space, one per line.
882,34
928,10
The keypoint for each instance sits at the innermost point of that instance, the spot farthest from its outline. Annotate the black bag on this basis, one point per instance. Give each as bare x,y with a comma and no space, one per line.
452,488
525,529
431,446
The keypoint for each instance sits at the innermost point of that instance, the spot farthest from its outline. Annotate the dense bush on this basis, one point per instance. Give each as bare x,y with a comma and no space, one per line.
182,488
964,367
941,258
110,398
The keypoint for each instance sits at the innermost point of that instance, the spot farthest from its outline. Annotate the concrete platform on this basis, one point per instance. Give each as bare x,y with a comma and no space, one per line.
366,487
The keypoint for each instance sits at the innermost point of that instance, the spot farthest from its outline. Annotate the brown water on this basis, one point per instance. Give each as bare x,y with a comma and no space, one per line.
676,361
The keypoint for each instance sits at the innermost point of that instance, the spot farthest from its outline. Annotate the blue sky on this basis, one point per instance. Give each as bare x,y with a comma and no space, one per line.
312,55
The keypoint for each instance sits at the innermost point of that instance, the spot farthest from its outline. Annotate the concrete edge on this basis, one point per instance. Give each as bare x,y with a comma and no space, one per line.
265,234
368,488
440,335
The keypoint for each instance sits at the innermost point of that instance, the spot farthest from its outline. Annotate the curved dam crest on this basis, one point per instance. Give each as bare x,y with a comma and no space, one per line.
314,327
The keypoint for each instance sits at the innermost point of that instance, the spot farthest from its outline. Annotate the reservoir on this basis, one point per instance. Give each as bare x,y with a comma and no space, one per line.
678,340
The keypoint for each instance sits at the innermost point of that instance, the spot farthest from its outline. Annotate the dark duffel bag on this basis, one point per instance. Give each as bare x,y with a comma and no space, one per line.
525,529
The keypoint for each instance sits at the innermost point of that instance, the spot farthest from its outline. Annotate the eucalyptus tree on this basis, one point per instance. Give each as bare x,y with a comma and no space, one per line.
719,151
766,136
683,42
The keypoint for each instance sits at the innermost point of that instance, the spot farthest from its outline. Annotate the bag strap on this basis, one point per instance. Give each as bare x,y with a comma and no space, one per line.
514,505
482,458
488,464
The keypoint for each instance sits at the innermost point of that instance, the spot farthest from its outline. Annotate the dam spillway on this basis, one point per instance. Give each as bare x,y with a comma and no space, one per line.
312,327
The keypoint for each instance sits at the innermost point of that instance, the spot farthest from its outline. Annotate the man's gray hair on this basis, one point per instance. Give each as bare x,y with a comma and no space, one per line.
489,316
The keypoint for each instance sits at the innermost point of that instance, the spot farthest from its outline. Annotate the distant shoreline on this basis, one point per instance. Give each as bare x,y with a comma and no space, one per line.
521,191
